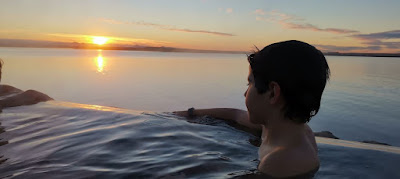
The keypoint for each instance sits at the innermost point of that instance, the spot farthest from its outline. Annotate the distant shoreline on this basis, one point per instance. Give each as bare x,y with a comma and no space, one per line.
183,50
397,55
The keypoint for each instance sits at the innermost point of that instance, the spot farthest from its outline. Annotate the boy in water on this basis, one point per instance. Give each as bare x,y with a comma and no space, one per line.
285,84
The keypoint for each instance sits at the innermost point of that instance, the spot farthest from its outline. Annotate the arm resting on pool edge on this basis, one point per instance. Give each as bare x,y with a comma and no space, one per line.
229,114
7,89
28,97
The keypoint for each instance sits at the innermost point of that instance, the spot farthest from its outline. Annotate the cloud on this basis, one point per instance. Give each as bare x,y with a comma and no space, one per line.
372,41
229,10
201,31
394,34
388,40
259,12
311,27
388,45
334,48
165,27
391,45
380,39
288,21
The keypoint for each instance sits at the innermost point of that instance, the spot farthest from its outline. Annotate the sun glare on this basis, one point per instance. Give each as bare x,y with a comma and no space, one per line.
100,40
100,63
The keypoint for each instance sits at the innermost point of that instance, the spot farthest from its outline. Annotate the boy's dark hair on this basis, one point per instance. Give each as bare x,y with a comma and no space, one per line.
301,72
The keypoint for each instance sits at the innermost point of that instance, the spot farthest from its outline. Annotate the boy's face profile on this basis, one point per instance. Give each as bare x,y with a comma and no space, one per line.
255,102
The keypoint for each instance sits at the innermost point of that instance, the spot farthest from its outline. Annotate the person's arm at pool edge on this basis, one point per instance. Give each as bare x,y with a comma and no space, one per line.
28,97
236,115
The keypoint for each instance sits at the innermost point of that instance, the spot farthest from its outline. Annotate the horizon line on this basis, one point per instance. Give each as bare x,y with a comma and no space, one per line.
23,43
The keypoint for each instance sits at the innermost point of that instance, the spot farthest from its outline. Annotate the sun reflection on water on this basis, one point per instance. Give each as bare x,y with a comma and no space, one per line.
100,62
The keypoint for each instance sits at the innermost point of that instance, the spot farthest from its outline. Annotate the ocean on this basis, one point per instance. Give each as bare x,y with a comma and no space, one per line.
361,100
135,138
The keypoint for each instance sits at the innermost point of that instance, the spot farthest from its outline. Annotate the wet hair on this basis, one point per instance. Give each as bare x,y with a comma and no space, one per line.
301,72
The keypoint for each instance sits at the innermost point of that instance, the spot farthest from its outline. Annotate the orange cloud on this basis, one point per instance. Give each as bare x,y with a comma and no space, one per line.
165,27
259,12
334,48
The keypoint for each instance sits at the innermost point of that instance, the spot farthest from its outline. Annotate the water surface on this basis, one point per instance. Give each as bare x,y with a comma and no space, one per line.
64,140
360,102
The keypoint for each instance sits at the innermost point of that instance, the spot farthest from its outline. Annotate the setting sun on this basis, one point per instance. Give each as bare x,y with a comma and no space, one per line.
100,40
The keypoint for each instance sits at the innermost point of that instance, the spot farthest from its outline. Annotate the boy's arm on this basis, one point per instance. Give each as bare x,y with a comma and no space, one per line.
236,115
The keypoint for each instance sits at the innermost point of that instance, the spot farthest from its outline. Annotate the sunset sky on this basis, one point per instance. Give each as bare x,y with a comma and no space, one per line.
331,25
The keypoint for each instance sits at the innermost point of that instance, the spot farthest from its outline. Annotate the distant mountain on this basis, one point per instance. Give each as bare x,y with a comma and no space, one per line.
76,45
363,54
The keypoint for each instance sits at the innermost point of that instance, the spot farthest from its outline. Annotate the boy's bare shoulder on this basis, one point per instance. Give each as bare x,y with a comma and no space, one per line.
286,162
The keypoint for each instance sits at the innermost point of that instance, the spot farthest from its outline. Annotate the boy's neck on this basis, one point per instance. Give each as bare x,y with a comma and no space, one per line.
281,131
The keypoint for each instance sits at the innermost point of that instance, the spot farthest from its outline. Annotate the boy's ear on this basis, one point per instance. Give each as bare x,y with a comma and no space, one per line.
275,92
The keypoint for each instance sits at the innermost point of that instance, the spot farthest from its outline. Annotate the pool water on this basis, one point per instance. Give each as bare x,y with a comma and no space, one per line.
360,101
68,140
